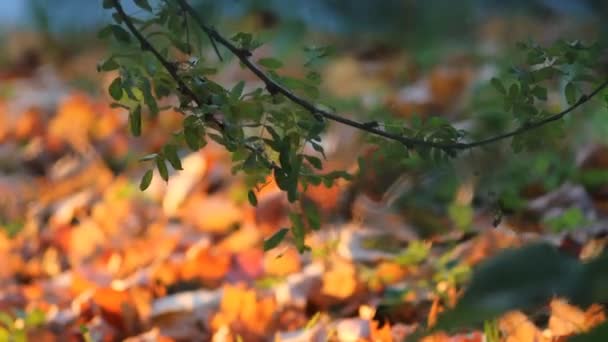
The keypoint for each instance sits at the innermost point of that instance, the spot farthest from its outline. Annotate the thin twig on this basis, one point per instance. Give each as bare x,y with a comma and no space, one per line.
276,87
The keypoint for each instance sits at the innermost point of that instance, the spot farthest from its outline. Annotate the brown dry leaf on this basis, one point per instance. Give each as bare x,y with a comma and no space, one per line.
75,116
282,261
327,199
380,334
390,272
271,212
434,312
567,319
215,214
447,84
489,243
246,314
516,327
251,262
29,124
346,77
117,307
210,264
248,236
340,281
475,336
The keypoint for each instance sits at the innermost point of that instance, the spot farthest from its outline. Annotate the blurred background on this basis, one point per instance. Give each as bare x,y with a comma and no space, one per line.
80,239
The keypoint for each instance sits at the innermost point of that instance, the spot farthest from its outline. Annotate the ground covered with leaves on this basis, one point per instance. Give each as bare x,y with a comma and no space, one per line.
85,255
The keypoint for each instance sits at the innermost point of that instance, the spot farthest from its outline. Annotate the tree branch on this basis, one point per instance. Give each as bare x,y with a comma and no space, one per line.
244,57
182,86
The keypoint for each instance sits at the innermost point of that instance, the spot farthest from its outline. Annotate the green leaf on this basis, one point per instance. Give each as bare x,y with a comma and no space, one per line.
135,121
597,334
148,157
544,73
297,230
510,281
570,92
105,32
497,83
108,65
115,89
108,4
253,200
237,91
162,168
270,63
120,34
275,239
170,152
146,180
312,215
540,92
191,134
315,162
143,4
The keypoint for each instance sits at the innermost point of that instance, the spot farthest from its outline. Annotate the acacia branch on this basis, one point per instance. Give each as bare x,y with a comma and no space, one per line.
275,87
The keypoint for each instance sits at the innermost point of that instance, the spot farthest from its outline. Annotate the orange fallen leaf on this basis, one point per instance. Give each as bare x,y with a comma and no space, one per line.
282,261
209,264
380,334
114,306
244,312
340,281
215,214
567,319
516,327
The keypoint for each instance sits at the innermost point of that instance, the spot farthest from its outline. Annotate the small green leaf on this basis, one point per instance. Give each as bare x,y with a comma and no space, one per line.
146,180
312,215
237,91
162,168
498,85
540,92
270,63
275,239
108,4
170,152
315,162
253,200
570,92
108,65
191,134
135,121
120,34
104,32
148,157
144,5
115,89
